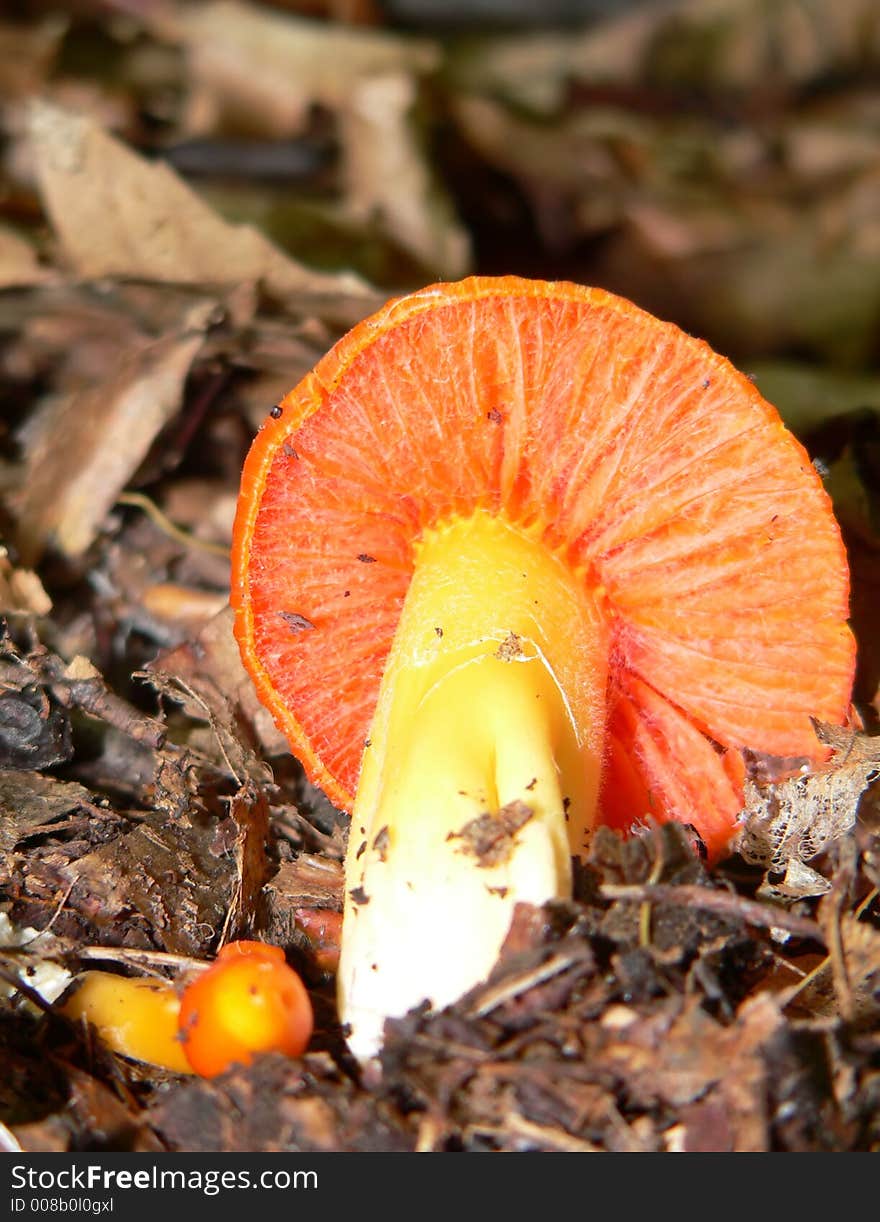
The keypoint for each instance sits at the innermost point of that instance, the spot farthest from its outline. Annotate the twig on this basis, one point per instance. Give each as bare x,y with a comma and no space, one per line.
652,880
286,162
722,902
824,964
15,981
93,696
161,519
145,959
510,988
213,720
518,1127
866,903
297,828
55,915
789,995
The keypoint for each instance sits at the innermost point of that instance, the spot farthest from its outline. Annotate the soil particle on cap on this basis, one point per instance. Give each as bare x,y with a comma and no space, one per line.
510,648
494,415
366,558
359,895
492,835
296,623
382,842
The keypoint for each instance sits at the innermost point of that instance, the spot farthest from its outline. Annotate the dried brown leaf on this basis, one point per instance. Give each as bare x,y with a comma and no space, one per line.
388,176
182,606
846,984
116,214
83,448
204,507
566,1059
849,746
799,882
80,685
796,819
30,803
21,591
266,70
307,882
71,336
301,906
98,1108
19,262
701,1059
27,51
725,45
686,201
169,881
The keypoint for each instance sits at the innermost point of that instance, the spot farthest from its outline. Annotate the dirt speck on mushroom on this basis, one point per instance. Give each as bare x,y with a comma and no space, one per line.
490,837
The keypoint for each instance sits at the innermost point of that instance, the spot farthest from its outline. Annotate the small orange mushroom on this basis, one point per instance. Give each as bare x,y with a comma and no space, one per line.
134,1016
515,559
248,1001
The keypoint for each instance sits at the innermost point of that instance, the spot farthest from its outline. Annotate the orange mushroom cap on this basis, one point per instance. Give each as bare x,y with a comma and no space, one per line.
248,1001
641,458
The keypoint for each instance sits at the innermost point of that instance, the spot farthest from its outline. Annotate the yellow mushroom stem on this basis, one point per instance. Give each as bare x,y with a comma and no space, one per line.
135,1017
481,771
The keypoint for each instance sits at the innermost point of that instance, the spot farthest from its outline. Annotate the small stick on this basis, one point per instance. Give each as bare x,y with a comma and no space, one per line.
15,981
56,914
795,991
296,825
518,1127
653,878
133,957
720,902
866,903
509,989
161,519
93,696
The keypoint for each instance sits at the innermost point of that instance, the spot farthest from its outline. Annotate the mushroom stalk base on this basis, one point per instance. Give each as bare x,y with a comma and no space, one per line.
481,771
